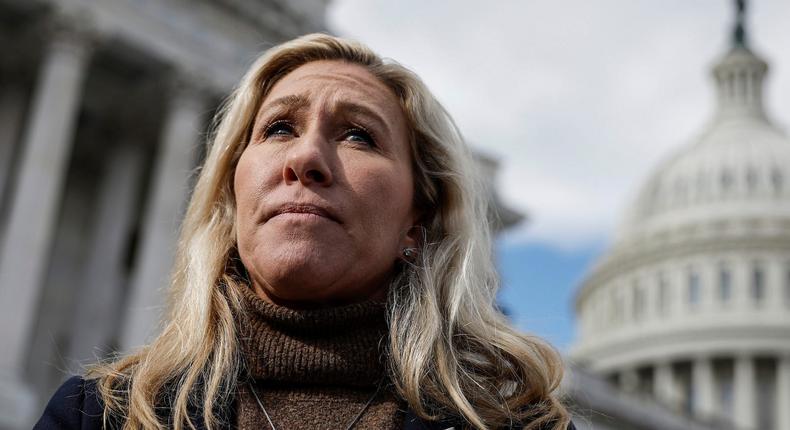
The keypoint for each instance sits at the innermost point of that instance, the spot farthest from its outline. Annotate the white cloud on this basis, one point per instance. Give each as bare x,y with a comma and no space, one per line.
579,99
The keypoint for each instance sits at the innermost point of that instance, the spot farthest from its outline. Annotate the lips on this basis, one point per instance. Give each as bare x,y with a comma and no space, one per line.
303,208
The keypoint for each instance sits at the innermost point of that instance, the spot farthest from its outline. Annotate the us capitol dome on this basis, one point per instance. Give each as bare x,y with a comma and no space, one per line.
691,304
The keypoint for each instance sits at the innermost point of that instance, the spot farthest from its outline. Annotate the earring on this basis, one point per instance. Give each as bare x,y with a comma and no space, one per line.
409,253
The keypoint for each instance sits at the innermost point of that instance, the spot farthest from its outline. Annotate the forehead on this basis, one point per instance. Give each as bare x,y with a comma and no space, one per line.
337,81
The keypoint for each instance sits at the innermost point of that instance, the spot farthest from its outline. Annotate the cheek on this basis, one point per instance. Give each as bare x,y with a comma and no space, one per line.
251,178
388,196
243,179
248,188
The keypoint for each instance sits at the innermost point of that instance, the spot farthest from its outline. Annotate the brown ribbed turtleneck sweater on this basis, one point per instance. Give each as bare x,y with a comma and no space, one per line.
314,368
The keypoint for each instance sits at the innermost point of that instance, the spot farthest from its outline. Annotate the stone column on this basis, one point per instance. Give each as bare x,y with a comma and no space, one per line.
25,248
664,385
745,396
783,392
703,388
629,381
103,278
12,109
164,208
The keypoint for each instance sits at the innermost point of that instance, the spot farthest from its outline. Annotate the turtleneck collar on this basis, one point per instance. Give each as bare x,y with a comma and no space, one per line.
338,346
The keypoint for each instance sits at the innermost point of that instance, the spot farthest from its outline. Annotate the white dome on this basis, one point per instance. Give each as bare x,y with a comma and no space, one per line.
739,168
694,295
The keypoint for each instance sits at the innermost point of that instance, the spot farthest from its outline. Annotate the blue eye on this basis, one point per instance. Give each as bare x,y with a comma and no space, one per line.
358,135
279,128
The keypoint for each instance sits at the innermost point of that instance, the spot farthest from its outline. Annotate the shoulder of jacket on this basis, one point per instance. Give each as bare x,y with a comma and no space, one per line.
75,405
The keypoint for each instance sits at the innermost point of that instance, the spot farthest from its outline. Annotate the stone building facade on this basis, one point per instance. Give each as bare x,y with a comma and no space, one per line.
104,108
691,305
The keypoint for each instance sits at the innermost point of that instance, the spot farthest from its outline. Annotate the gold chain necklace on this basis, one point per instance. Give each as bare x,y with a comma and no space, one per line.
348,427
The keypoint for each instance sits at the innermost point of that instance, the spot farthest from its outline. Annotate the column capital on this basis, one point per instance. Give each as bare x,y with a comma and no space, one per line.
664,362
72,29
743,356
704,357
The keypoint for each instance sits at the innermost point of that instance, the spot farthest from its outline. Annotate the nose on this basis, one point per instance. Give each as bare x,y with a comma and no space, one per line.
307,162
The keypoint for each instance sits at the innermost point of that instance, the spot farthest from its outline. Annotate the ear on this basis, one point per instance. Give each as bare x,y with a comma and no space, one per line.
413,237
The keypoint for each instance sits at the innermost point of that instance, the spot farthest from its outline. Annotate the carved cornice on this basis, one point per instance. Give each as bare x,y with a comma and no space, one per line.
74,27
275,16
691,341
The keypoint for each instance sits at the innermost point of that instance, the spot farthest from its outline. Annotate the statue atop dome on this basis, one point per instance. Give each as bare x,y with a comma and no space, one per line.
739,35
739,75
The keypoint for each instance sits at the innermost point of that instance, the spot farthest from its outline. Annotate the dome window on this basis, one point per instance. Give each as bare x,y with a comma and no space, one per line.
619,307
758,283
639,301
751,180
726,180
777,180
663,293
731,86
787,285
700,187
694,288
652,205
614,303
680,191
725,284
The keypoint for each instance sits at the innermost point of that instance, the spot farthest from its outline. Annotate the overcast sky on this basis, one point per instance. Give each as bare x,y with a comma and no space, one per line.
578,99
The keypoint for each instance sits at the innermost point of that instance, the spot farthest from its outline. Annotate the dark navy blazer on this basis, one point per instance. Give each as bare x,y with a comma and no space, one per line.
77,406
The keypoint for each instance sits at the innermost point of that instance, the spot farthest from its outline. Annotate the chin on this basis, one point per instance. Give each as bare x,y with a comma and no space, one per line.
294,274
311,270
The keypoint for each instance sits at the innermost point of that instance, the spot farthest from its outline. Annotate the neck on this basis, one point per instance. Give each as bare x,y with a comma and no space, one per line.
267,294
326,345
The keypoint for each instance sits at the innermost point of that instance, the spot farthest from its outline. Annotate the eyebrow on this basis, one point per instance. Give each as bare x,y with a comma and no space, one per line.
357,109
292,102
297,102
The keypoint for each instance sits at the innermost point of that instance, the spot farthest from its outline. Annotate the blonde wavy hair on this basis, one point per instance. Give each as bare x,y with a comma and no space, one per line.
451,351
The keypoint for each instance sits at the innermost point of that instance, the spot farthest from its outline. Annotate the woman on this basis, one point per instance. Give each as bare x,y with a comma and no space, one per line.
334,271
